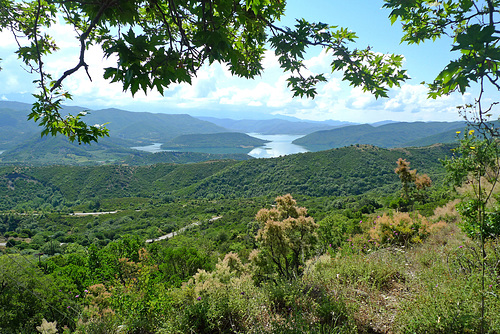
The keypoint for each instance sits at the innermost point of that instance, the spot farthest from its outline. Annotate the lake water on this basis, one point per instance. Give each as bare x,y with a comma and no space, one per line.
279,145
153,148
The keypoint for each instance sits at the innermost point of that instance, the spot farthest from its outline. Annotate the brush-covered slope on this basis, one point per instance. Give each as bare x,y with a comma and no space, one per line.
144,158
76,182
388,135
338,172
345,171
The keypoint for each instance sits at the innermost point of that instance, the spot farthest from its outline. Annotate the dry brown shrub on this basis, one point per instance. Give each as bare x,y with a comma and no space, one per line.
447,213
403,228
468,189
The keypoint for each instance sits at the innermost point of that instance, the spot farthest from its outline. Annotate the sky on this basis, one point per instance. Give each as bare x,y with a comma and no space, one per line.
214,92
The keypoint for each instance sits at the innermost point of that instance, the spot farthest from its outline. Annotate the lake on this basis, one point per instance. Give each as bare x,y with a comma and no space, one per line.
278,145
153,148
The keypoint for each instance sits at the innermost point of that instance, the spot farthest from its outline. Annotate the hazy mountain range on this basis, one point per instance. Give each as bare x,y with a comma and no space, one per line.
275,126
210,137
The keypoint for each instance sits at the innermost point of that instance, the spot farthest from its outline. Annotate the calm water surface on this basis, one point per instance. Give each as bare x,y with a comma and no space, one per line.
153,148
279,145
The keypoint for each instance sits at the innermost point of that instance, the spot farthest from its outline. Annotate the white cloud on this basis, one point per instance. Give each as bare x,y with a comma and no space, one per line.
7,40
215,88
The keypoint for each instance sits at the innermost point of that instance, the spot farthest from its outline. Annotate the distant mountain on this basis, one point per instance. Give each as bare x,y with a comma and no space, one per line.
14,127
274,126
400,134
382,123
139,127
150,128
59,150
21,142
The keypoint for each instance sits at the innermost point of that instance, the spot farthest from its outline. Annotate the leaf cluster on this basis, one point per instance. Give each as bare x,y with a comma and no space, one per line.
471,25
163,42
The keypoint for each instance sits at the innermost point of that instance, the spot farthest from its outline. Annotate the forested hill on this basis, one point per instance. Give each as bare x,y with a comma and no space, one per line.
225,139
338,172
399,134
344,171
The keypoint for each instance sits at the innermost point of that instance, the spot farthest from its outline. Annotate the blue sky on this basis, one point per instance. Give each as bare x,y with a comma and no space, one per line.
215,93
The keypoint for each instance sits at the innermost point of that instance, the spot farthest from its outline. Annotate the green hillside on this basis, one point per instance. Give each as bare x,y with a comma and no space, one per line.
345,171
144,158
389,135
443,137
109,181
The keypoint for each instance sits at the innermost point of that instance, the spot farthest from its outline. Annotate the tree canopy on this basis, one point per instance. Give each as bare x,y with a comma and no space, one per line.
473,28
161,42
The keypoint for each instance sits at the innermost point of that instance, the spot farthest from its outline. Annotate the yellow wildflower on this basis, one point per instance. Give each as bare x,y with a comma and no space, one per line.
471,132
472,147
458,132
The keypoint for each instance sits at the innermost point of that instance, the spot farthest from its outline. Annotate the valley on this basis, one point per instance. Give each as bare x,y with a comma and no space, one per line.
190,233
185,139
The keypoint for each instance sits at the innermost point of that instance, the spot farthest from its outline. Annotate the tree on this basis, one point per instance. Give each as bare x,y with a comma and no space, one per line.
161,42
406,175
473,29
286,235
412,184
476,163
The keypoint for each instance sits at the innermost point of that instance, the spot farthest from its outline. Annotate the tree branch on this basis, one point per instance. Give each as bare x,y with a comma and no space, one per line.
83,39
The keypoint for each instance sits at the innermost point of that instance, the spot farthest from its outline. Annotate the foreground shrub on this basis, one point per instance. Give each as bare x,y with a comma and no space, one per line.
335,229
378,270
286,236
447,213
400,228
222,301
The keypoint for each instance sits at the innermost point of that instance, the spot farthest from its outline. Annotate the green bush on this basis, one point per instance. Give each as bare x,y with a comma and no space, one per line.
468,211
334,230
